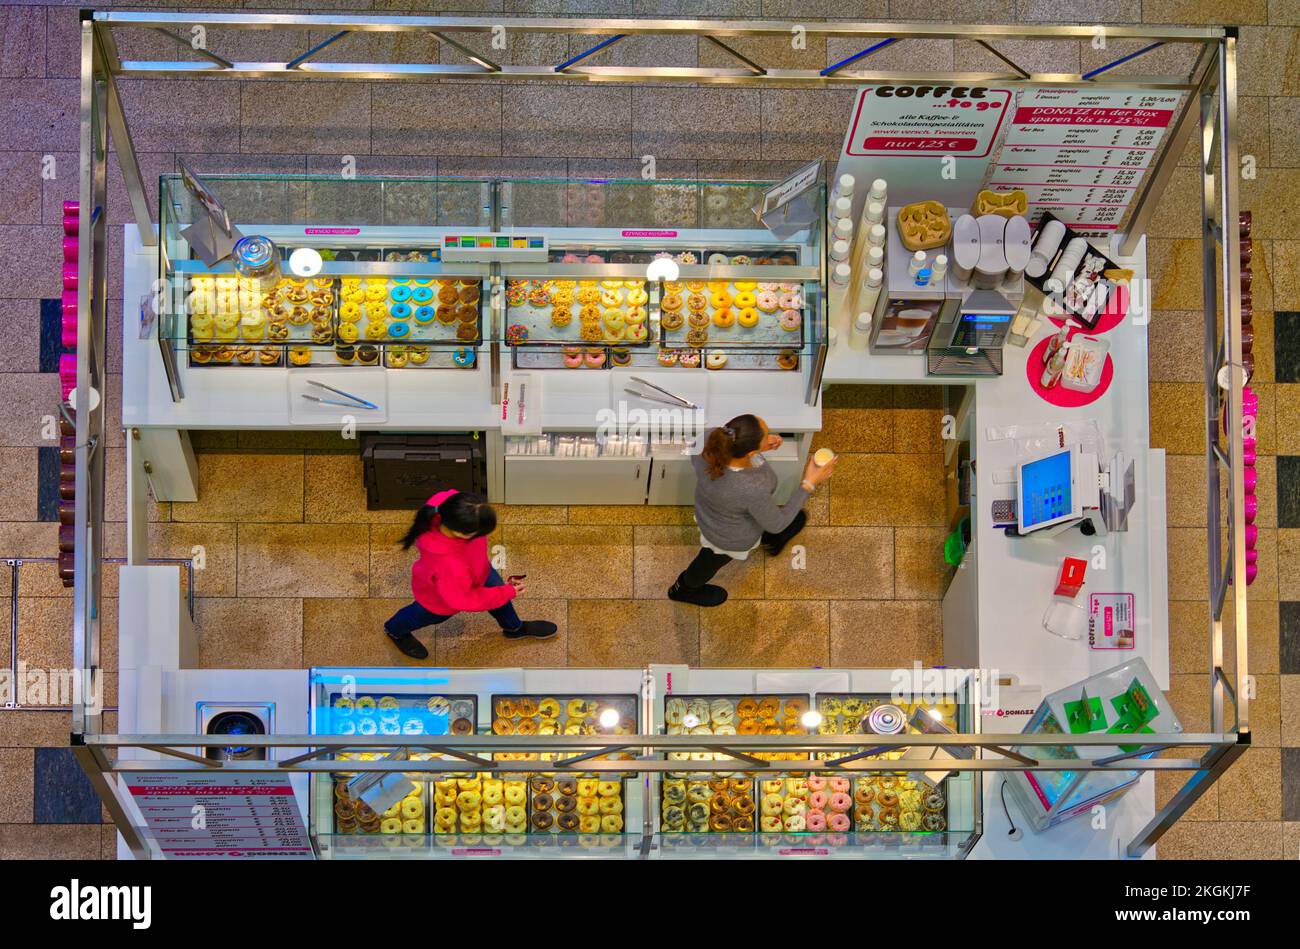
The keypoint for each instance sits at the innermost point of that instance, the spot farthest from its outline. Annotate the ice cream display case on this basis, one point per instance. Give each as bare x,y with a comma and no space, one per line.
659,274
329,272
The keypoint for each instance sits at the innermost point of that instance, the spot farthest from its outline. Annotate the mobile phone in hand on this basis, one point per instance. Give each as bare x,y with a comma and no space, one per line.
515,577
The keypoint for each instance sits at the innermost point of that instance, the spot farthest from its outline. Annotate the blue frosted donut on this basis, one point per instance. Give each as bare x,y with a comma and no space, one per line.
400,311
424,314
463,357
401,280
421,294
400,294
399,331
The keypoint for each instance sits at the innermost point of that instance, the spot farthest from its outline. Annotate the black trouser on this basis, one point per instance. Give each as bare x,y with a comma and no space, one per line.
708,562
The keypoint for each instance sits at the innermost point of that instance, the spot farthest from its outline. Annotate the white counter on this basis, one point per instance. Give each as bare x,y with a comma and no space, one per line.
418,400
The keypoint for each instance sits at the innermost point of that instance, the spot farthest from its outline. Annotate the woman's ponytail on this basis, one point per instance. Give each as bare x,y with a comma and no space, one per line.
422,524
736,439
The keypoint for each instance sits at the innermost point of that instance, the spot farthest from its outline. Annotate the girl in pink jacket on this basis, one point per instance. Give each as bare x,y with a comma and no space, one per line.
453,574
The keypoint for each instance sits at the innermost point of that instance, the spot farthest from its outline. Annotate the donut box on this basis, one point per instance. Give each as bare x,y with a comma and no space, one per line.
732,313
845,713
713,805
734,715
386,714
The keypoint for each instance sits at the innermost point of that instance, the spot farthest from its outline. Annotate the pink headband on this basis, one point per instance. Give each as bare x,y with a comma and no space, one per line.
438,498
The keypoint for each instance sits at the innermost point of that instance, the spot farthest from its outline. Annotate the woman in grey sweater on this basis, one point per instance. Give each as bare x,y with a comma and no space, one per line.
735,507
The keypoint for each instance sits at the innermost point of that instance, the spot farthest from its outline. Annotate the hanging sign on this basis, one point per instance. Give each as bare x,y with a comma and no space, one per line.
205,816
926,141
1082,153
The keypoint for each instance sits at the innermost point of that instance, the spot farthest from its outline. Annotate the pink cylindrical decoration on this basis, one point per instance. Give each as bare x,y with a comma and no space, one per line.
68,331
1248,455
67,374
1252,571
69,303
69,276
1252,556
1252,508
70,250
1249,401
1252,535
71,224
71,207
1249,479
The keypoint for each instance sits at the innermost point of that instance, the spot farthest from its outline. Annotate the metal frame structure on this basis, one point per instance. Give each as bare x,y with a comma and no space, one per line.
1212,84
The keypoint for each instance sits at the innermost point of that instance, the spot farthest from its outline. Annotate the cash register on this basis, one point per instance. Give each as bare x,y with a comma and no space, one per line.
1058,491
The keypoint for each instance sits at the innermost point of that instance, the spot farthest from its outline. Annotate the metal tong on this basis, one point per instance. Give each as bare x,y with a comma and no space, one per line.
673,399
354,401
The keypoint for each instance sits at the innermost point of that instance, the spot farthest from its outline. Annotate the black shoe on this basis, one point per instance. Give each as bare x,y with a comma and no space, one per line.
777,544
409,645
534,629
707,595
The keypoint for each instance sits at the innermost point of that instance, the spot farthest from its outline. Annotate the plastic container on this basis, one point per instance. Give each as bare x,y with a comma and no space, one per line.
1066,619
1085,359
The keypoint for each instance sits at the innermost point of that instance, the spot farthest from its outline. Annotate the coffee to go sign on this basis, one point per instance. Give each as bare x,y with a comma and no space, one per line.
952,129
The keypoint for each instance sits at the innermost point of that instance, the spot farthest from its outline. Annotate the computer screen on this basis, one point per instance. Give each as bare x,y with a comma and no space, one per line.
1045,490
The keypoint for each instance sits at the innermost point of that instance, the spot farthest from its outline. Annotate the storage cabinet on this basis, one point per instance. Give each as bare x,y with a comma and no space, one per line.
541,480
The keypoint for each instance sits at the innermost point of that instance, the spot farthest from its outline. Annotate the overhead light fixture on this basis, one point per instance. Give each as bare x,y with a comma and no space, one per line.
608,718
811,718
690,720
662,268
305,262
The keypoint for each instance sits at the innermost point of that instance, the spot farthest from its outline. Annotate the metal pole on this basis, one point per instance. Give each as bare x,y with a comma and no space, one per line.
93,762
1217,760
122,144
1229,244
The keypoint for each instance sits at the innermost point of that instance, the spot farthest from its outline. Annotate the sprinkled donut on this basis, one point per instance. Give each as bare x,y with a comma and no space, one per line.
767,301
815,822
839,823
790,320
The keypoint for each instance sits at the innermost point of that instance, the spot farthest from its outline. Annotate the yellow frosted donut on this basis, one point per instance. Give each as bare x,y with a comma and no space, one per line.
348,332
637,297
746,299
717,285
745,285
611,298
349,313
723,318
720,299
747,316
634,284
636,314
376,330
611,284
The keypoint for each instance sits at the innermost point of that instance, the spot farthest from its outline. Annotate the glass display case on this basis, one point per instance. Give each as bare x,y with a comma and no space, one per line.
384,296
380,295
729,295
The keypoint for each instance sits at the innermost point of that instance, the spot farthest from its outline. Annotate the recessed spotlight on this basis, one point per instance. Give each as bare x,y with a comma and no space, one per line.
305,262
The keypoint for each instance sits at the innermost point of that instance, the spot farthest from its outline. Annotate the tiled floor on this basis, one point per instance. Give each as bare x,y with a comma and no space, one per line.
290,565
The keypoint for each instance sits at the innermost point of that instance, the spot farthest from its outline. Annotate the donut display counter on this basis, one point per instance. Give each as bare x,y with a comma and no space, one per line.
368,292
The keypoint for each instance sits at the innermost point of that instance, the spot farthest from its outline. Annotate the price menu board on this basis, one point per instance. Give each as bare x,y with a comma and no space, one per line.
203,817
1081,153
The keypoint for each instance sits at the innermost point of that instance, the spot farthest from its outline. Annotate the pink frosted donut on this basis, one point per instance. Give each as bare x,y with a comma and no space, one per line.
786,287
816,782
572,360
768,301
839,823
570,259
595,259
839,785
817,801
790,301
790,320
816,821
769,287
840,803
595,360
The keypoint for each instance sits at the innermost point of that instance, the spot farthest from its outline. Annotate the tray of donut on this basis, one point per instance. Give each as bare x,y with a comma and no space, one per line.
590,313
716,803
882,802
732,313
396,318
579,803
376,714
234,321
